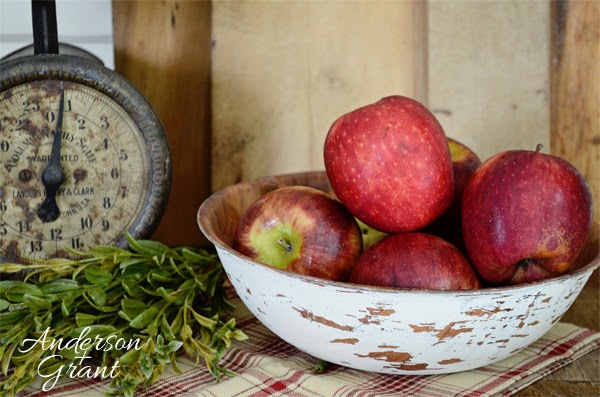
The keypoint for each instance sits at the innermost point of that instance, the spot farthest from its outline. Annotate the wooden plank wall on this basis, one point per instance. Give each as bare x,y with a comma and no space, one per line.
284,71
294,66
575,88
488,73
163,48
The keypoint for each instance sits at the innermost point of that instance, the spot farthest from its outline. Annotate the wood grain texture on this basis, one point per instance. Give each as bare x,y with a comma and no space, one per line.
163,48
575,88
488,74
284,71
550,388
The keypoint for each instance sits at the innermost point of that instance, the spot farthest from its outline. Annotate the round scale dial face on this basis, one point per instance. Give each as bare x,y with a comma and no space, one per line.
104,161
83,159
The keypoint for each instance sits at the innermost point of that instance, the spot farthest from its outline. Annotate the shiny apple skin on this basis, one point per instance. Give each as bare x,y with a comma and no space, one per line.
330,240
414,260
389,164
449,225
526,216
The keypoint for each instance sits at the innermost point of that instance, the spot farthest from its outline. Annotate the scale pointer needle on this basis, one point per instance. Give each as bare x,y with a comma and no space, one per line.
53,175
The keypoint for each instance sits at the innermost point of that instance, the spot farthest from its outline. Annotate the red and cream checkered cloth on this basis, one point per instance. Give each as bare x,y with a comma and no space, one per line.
268,366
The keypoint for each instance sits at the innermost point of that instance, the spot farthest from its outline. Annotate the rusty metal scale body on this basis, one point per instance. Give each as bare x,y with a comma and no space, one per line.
83,157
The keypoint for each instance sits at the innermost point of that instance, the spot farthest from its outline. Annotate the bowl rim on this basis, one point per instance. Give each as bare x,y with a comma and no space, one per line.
218,243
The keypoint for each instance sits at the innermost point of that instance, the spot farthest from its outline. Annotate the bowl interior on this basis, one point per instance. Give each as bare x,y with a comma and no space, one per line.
219,215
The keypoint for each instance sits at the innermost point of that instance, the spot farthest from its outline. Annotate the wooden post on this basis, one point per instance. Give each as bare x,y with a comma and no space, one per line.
575,88
163,48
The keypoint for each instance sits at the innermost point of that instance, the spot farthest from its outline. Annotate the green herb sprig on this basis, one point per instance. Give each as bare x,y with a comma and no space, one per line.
168,299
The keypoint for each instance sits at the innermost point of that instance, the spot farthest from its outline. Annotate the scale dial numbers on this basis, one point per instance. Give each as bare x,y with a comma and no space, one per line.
105,162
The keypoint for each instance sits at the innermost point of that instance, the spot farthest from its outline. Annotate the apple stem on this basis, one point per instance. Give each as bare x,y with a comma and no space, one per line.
285,244
525,262
539,148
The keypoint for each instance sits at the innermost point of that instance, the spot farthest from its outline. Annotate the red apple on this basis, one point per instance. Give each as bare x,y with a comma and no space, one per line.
449,225
526,216
414,260
302,230
389,164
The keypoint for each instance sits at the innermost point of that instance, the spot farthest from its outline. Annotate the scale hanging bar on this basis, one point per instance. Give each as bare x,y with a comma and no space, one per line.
45,32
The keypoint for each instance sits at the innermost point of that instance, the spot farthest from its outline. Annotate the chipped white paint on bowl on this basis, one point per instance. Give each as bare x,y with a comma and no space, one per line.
380,329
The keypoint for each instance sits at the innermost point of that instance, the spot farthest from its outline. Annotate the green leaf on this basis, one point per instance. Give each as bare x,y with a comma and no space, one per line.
173,346
41,323
166,330
144,319
130,357
109,254
136,271
204,321
16,293
9,318
199,257
71,352
124,316
161,275
6,358
131,286
131,261
4,304
177,322
16,307
146,364
35,303
101,308
12,267
238,334
151,330
166,295
97,295
84,319
5,285
187,284
52,366
91,331
59,285
146,247
66,306
97,276
132,307
186,332
227,372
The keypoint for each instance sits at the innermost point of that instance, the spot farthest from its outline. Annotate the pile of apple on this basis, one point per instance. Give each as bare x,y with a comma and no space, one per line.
415,209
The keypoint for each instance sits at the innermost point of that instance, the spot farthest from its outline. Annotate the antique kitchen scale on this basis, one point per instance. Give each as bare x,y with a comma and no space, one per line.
84,158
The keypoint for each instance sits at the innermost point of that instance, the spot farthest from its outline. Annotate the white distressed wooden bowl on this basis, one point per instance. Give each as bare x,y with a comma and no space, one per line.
396,331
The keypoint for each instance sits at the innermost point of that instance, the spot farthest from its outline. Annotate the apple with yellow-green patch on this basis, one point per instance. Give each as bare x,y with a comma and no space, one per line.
302,230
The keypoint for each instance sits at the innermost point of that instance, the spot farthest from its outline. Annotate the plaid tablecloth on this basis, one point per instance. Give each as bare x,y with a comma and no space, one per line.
268,366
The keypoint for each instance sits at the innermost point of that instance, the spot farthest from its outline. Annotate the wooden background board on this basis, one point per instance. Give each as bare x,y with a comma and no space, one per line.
575,88
163,48
488,81
284,71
